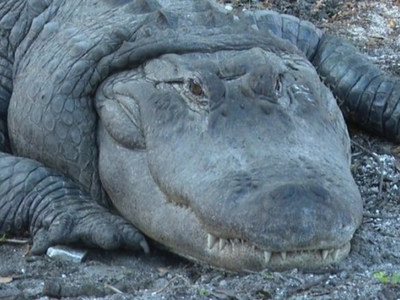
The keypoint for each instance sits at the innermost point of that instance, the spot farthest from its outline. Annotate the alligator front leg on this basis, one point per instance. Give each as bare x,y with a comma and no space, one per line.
55,211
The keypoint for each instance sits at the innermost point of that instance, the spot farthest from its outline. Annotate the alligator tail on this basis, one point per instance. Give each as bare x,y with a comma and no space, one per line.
303,34
368,96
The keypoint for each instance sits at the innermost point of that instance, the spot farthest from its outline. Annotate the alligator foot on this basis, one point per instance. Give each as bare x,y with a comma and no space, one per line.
95,227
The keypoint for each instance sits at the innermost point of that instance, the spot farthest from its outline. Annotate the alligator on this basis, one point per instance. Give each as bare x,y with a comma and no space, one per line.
176,123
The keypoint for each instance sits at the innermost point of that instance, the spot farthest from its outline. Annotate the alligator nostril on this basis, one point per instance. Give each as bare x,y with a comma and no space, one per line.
319,191
285,192
299,191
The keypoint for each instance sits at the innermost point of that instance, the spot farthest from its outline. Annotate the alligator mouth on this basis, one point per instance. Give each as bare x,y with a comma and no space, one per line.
309,258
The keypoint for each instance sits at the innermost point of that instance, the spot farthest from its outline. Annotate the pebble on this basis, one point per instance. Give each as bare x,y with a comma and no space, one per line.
229,7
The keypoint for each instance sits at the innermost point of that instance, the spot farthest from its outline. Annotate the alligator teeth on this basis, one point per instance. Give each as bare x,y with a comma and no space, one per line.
211,240
267,256
325,254
335,254
222,243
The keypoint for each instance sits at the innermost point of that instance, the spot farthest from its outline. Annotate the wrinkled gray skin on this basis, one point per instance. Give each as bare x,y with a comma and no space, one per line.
213,138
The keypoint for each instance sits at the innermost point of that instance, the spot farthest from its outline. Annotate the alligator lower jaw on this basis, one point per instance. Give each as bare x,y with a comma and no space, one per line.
239,255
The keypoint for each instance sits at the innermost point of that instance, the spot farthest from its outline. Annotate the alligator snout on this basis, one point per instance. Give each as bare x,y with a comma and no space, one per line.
277,224
304,216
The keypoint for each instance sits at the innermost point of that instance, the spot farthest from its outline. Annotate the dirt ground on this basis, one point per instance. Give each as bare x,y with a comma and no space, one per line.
372,270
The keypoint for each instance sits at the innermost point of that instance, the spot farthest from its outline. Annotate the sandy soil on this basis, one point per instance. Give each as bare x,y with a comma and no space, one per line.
371,272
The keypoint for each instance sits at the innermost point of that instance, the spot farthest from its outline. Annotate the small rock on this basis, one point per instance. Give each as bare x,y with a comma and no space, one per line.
34,292
223,283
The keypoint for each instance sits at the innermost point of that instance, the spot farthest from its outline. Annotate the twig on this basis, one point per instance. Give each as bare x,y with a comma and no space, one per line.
169,282
14,241
329,271
376,216
307,286
114,289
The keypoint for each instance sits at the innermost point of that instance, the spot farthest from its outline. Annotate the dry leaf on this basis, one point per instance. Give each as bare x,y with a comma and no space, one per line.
6,279
396,150
392,23
397,164
163,270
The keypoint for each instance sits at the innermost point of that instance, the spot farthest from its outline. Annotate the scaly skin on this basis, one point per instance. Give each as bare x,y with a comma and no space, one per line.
215,139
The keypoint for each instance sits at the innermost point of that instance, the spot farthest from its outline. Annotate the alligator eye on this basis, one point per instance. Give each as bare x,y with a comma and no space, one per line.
195,88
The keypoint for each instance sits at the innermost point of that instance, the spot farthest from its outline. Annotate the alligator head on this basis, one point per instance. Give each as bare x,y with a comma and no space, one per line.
239,159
